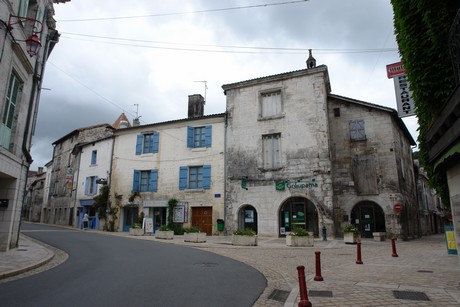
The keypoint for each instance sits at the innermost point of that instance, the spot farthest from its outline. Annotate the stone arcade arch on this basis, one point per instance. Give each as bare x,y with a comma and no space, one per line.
368,217
247,218
298,212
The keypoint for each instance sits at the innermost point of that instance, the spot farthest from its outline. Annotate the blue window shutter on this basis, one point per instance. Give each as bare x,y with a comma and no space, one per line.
208,136
93,157
156,139
87,186
153,184
206,176
183,177
136,181
139,144
190,137
95,185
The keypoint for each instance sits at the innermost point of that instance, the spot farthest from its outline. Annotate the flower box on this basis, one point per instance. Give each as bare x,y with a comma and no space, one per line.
195,237
243,240
299,241
350,237
164,234
136,232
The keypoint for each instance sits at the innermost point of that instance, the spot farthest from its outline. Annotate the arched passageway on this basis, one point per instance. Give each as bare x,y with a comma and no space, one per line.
368,217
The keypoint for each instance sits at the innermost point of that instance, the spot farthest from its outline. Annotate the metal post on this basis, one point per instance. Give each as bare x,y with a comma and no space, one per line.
393,247
358,253
304,302
318,276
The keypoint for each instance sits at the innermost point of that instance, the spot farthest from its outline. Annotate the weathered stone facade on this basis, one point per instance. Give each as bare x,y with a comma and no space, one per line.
298,156
375,171
61,205
301,125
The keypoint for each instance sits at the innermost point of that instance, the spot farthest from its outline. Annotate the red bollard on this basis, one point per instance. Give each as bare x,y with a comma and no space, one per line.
304,302
393,247
318,276
358,253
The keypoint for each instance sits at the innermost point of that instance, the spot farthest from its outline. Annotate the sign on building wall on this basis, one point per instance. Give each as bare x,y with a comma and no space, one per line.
404,99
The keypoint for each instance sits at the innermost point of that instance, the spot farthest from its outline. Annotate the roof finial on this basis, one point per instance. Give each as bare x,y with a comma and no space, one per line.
311,62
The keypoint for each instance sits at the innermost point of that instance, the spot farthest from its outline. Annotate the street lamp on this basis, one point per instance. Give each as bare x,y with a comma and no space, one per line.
33,43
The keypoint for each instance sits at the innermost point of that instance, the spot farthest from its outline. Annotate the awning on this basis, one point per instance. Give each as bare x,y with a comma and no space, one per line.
449,154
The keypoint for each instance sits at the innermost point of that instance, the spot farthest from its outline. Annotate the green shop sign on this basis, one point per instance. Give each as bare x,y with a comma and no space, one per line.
281,185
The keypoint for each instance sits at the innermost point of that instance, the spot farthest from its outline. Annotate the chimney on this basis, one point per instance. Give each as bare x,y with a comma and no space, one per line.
40,170
136,122
195,105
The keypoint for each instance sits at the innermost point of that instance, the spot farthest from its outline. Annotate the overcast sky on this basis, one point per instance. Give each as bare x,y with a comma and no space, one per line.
147,55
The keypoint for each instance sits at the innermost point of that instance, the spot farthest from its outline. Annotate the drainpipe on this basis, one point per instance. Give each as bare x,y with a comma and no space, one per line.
225,171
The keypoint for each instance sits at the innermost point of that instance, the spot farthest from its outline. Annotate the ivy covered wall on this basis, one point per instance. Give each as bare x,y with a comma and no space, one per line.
422,30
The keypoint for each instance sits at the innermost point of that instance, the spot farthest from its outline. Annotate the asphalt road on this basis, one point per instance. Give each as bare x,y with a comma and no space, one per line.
115,271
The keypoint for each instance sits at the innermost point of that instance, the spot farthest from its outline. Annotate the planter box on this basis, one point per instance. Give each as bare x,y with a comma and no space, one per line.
195,237
299,241
351,238
379,236
164,235
244,240
136,232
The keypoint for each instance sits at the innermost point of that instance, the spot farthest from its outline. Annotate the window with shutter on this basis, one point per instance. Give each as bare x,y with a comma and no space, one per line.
270,104
94,157
147,143
271,146
198,137
357,132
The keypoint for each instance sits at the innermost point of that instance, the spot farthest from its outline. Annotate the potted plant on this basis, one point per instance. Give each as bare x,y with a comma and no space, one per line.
245,237
136,230
165,233
299,237
194,234
351,234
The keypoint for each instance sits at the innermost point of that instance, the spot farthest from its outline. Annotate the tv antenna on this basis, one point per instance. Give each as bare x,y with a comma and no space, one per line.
137,109
205,88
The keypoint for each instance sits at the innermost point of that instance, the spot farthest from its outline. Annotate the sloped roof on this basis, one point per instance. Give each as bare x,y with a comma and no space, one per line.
76,131
121,118
285,75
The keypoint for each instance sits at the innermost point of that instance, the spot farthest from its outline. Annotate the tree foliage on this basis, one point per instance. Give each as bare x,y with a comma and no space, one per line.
422,30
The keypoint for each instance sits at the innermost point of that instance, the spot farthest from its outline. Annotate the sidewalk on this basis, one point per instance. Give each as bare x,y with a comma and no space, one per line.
423,274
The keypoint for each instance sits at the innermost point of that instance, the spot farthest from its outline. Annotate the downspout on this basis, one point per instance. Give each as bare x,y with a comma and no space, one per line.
109,181
225,172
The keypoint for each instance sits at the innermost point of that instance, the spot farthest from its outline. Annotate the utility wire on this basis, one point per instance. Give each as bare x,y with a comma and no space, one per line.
185,13
90,89
255,49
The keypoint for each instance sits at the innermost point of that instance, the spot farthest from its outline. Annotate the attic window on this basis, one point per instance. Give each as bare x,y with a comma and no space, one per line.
336,112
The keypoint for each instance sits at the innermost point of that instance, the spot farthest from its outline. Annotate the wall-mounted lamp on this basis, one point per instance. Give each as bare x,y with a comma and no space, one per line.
33,43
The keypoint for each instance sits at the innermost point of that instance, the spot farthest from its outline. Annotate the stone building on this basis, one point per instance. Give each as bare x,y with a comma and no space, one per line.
32,206
298,156
180,159
24,26
61,207
429,204
372,169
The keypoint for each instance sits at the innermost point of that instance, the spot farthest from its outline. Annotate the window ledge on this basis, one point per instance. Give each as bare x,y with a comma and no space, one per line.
195,190
262,169
199,149
271,117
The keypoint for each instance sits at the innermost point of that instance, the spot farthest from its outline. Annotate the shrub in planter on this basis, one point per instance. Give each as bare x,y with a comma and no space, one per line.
351,234
164,233
136,230
245,237
299,237
193,234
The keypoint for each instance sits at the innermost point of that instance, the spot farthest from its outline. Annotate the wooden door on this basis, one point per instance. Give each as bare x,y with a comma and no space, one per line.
202,217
